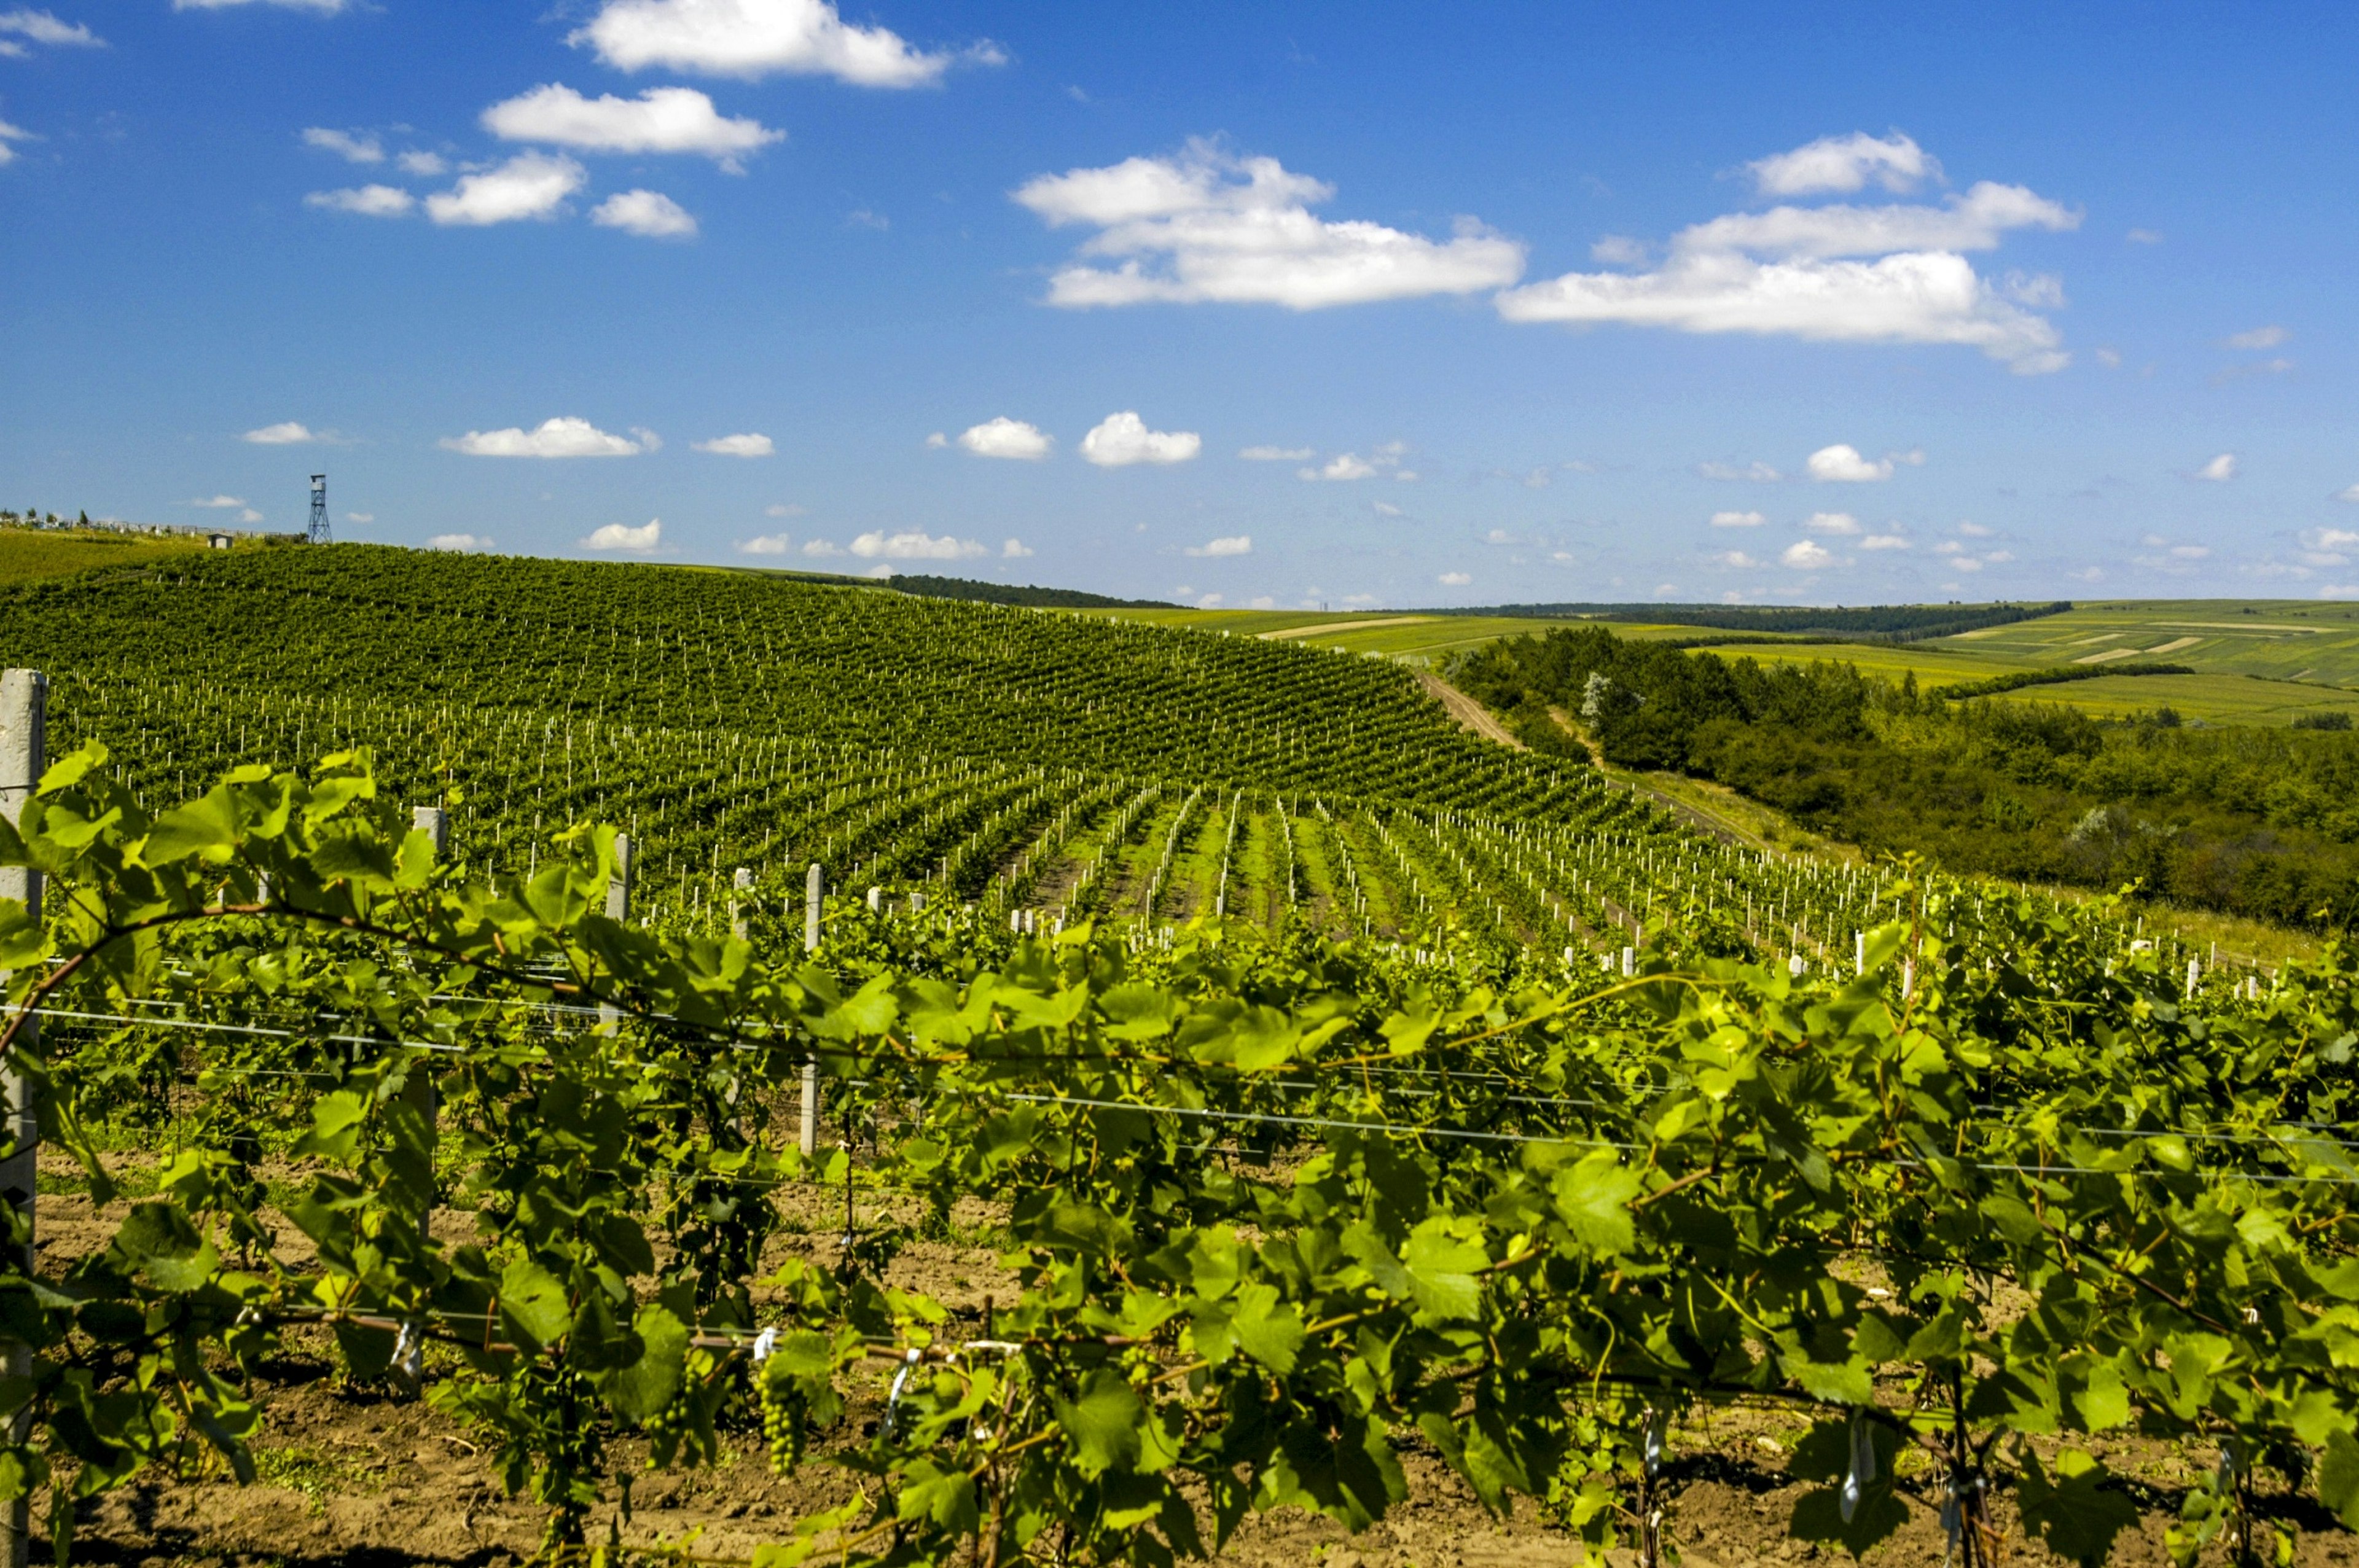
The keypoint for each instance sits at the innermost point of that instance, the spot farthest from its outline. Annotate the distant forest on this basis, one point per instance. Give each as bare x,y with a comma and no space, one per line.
2262,822
1877,622
927,587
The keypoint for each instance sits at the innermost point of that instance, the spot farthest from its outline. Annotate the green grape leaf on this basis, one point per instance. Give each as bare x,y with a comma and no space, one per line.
1102,1423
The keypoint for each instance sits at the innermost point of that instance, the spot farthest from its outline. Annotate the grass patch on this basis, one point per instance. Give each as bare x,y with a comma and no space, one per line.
317,1476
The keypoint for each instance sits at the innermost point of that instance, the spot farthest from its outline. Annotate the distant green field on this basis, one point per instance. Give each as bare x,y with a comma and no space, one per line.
27,554
2305,654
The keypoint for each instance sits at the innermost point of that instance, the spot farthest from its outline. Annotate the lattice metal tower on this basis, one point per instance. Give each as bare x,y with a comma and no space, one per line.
319,535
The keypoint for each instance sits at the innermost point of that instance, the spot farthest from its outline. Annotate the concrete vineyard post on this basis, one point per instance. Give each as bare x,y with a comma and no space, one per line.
739,881
813,886
435,823
618,908
24,704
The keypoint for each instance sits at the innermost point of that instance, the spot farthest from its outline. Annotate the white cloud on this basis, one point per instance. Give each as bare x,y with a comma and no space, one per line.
1737,520
9,133
1758,472
2110,358
1344,468
938,440
749,445
1805,555
650,214
360,516
367,201
2259,338
1235,545
1837,522
529,185
1182,230
1261,601
353,146
1842,464
2191,552
915,545
425,164
287,433
2144,237
660,120
2219,468
2350,494
752,38
1005,438
249,515
1789,272
560,437
1121,439
621,536
1965,564
41,27
1386,509
1974,530
1454,580
1844,163
1619,249
1999,557
821,547
1884,542
219,503
1278,454
784,509
461,542
1210,602
1015,550
764,545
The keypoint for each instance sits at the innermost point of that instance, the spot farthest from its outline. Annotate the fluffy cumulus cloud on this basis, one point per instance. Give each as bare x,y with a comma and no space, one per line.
286,433
1840,273
1121,439
1845,164
1454,580
2259,338
915,545
764,545
1346,466
2220,468
1885,541
622,536
2321,546
752,38
647,214
8,134
1278,454
1234,545
560,438
365,200
423,164
1842,464
462,543
1015,550
749,445
529,185
1208,226
1003,437
2349,493
660,120
1804,554
219,503
1836,523
1737,520
353,146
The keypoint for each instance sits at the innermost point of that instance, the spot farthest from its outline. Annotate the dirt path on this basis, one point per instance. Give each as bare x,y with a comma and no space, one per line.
1467,711
1283,632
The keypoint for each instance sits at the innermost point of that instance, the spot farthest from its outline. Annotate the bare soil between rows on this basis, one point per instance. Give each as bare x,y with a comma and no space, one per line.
355,1476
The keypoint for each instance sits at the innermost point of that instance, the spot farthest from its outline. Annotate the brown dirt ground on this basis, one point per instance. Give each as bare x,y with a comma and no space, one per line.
354,1476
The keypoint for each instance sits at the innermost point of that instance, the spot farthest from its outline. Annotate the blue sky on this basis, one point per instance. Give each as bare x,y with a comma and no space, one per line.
1511,303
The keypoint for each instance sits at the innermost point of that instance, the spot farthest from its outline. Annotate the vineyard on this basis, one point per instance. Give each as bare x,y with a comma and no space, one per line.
1321,1105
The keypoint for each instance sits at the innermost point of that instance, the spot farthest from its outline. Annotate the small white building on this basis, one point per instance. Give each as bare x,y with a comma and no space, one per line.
218,541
